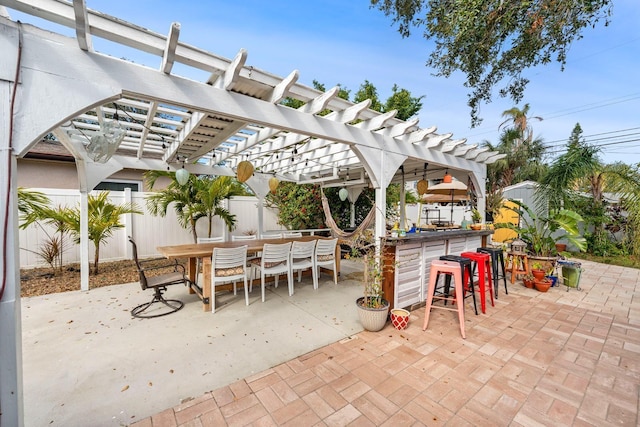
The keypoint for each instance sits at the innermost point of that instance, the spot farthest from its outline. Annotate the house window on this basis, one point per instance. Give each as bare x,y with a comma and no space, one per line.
118,185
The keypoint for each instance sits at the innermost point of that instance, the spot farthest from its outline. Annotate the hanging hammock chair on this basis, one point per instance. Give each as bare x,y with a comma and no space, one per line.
341,234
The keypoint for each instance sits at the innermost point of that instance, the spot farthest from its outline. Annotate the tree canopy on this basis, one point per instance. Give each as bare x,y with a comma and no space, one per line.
493,41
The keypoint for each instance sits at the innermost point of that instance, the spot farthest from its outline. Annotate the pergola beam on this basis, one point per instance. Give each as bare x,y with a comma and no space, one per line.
83,33
169,54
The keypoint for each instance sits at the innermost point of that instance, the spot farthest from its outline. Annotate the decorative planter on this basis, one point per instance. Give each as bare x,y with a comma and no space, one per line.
554,280
538,274
372,319
546,263
400,318
543,285
529,283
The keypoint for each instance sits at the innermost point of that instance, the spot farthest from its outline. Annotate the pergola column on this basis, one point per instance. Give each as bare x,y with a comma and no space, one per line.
11,400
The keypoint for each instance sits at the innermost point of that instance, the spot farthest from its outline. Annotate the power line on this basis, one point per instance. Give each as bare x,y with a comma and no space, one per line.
604,144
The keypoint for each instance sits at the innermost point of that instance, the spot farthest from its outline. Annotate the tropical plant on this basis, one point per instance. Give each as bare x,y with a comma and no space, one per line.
34,209
200,197
494,41
104,219
522,157
519,120
541,232
211,192
476,217
30,205
578,179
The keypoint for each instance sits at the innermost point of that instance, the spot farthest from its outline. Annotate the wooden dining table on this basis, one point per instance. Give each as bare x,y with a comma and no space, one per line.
195,251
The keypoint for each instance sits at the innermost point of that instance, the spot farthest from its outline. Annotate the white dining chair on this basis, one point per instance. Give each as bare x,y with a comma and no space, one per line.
289,234
302,258
251,255
243,237
228,265
275,260
271,235
325,256
216,239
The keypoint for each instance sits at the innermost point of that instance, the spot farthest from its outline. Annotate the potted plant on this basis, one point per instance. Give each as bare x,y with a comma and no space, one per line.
373,309
528,280
543,285
476,217
537,271
541,232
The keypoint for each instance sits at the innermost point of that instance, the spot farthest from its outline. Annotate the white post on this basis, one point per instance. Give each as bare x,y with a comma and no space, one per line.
11,399
84,241
128,225
260,215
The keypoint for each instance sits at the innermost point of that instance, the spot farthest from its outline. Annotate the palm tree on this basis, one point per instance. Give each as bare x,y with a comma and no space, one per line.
211,192
580,171
523,161
520,121
200,197
31,204
104,219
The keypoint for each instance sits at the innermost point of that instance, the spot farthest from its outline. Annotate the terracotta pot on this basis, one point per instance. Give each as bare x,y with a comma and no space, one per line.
538,274
543,285
561,247
528,283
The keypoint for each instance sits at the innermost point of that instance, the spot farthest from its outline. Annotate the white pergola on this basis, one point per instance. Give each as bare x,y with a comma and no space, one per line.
65,87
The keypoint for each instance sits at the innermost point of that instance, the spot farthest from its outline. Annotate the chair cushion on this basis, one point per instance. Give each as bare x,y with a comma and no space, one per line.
258,262
325,257
165,280
225,272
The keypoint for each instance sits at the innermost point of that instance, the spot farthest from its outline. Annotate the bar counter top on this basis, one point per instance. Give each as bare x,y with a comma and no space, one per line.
426,236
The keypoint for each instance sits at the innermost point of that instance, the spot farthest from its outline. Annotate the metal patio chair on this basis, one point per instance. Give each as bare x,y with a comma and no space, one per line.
159,285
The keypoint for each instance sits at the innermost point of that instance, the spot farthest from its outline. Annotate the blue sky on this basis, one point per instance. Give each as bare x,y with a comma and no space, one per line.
346,43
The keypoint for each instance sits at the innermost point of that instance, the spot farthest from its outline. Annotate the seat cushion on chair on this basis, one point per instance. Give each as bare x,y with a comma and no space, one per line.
224,272
258,262
325,257
165,279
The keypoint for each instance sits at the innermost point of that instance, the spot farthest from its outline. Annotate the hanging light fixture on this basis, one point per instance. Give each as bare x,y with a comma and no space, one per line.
244,171
105,142
182,175
447,178
343,194
422,186
273,184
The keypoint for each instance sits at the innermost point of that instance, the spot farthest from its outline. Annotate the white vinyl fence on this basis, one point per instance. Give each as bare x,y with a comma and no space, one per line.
148,231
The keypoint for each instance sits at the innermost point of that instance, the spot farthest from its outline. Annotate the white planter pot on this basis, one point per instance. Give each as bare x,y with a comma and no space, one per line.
372,319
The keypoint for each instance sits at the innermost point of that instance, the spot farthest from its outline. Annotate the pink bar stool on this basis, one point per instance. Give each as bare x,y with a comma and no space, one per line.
451,268
483,261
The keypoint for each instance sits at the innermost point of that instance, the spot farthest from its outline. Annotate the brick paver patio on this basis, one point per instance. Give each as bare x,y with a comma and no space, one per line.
535,359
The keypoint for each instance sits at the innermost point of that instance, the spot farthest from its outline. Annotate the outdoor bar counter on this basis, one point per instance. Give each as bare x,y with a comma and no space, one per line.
408,259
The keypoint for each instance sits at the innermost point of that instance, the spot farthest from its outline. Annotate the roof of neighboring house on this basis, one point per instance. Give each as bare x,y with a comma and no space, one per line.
50,150
523,184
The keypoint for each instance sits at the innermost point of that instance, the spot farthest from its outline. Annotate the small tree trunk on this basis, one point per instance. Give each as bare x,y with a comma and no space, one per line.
96,257
194,233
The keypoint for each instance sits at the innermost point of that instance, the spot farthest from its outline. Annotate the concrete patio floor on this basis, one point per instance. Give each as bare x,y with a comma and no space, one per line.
555,358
